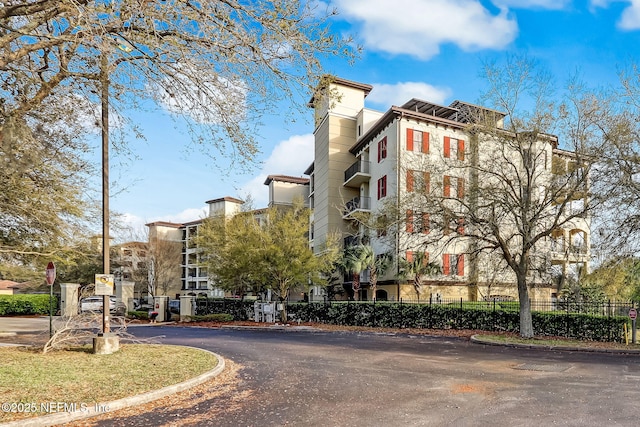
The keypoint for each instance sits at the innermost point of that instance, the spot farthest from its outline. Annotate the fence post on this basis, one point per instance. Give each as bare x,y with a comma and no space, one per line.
566,319
374,313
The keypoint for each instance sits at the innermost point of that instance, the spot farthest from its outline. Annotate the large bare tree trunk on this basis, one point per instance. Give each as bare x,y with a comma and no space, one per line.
526,322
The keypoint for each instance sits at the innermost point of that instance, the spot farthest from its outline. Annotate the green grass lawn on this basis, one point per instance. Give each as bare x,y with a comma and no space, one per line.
77,376
551,342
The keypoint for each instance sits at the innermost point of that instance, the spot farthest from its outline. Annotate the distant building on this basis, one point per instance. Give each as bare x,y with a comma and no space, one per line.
9,287
194,278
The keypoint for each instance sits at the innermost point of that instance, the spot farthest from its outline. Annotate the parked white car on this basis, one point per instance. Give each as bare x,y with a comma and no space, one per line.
94,303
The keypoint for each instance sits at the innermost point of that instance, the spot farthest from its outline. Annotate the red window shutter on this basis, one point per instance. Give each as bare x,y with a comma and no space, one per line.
460,225
460,149
379,185
383,192
410,181
446,268
379,151
409,221
427,182
409,139
446,186
425,223
425,142
426,258
447,146
409,256
460,188
460,265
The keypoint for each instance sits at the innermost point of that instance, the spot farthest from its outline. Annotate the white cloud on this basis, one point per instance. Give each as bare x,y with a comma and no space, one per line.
201,94
600,3
630,19
533,4
419,27
399,93
134,226
289,157
187,215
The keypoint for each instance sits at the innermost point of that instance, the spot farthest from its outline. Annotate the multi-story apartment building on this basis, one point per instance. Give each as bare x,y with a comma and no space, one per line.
129,264
371,162
194,278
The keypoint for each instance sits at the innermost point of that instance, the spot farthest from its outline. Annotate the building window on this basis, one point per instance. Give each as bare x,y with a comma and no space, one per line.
417,222
382,149
453,187
409,256
418,181
453,264
381,226
382,187
453,148
417,141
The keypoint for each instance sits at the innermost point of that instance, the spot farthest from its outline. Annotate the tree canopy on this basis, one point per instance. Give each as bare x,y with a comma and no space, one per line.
261,250
218,65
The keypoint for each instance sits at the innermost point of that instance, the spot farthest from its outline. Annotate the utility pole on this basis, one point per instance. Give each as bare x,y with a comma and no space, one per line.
104,83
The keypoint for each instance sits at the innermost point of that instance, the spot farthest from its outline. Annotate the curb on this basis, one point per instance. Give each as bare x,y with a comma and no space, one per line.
62,418
286,328
478,340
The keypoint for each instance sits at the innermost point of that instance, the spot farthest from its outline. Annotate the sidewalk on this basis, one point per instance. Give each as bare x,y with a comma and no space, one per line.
32,325
10,325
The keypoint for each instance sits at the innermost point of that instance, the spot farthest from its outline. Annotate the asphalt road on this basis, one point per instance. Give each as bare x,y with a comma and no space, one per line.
355,379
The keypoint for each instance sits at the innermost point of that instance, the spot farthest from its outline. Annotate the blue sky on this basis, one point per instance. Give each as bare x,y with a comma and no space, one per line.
428,49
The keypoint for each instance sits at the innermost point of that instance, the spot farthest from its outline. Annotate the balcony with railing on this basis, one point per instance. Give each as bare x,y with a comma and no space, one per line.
357,204
356,174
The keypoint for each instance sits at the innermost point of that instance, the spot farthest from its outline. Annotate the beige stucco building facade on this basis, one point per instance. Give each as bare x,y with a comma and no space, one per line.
369,162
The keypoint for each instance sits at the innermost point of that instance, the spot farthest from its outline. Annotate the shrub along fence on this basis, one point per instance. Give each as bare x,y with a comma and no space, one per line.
26,304
603,322
586,321
239,309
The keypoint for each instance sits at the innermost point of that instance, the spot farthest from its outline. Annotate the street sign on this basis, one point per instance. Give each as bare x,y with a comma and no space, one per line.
50,273
104,284
633,313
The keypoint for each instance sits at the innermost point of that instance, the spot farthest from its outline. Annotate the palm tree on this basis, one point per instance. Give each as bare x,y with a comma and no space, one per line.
416,268
354,261
377,265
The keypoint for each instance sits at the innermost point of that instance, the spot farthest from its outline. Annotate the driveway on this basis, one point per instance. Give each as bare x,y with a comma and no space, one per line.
355,379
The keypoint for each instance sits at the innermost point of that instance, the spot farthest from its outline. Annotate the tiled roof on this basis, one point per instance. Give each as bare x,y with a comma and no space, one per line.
164,224
225,199
10,284
286,178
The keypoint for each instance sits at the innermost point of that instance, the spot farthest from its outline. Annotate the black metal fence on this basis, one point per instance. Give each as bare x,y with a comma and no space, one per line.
602,321
599,321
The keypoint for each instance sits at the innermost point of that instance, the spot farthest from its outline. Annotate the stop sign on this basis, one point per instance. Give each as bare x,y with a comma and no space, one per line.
50,273
633,313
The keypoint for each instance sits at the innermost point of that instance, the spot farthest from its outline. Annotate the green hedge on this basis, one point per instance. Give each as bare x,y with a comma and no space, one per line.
216,317
238,309
138,314
26,304
436,316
